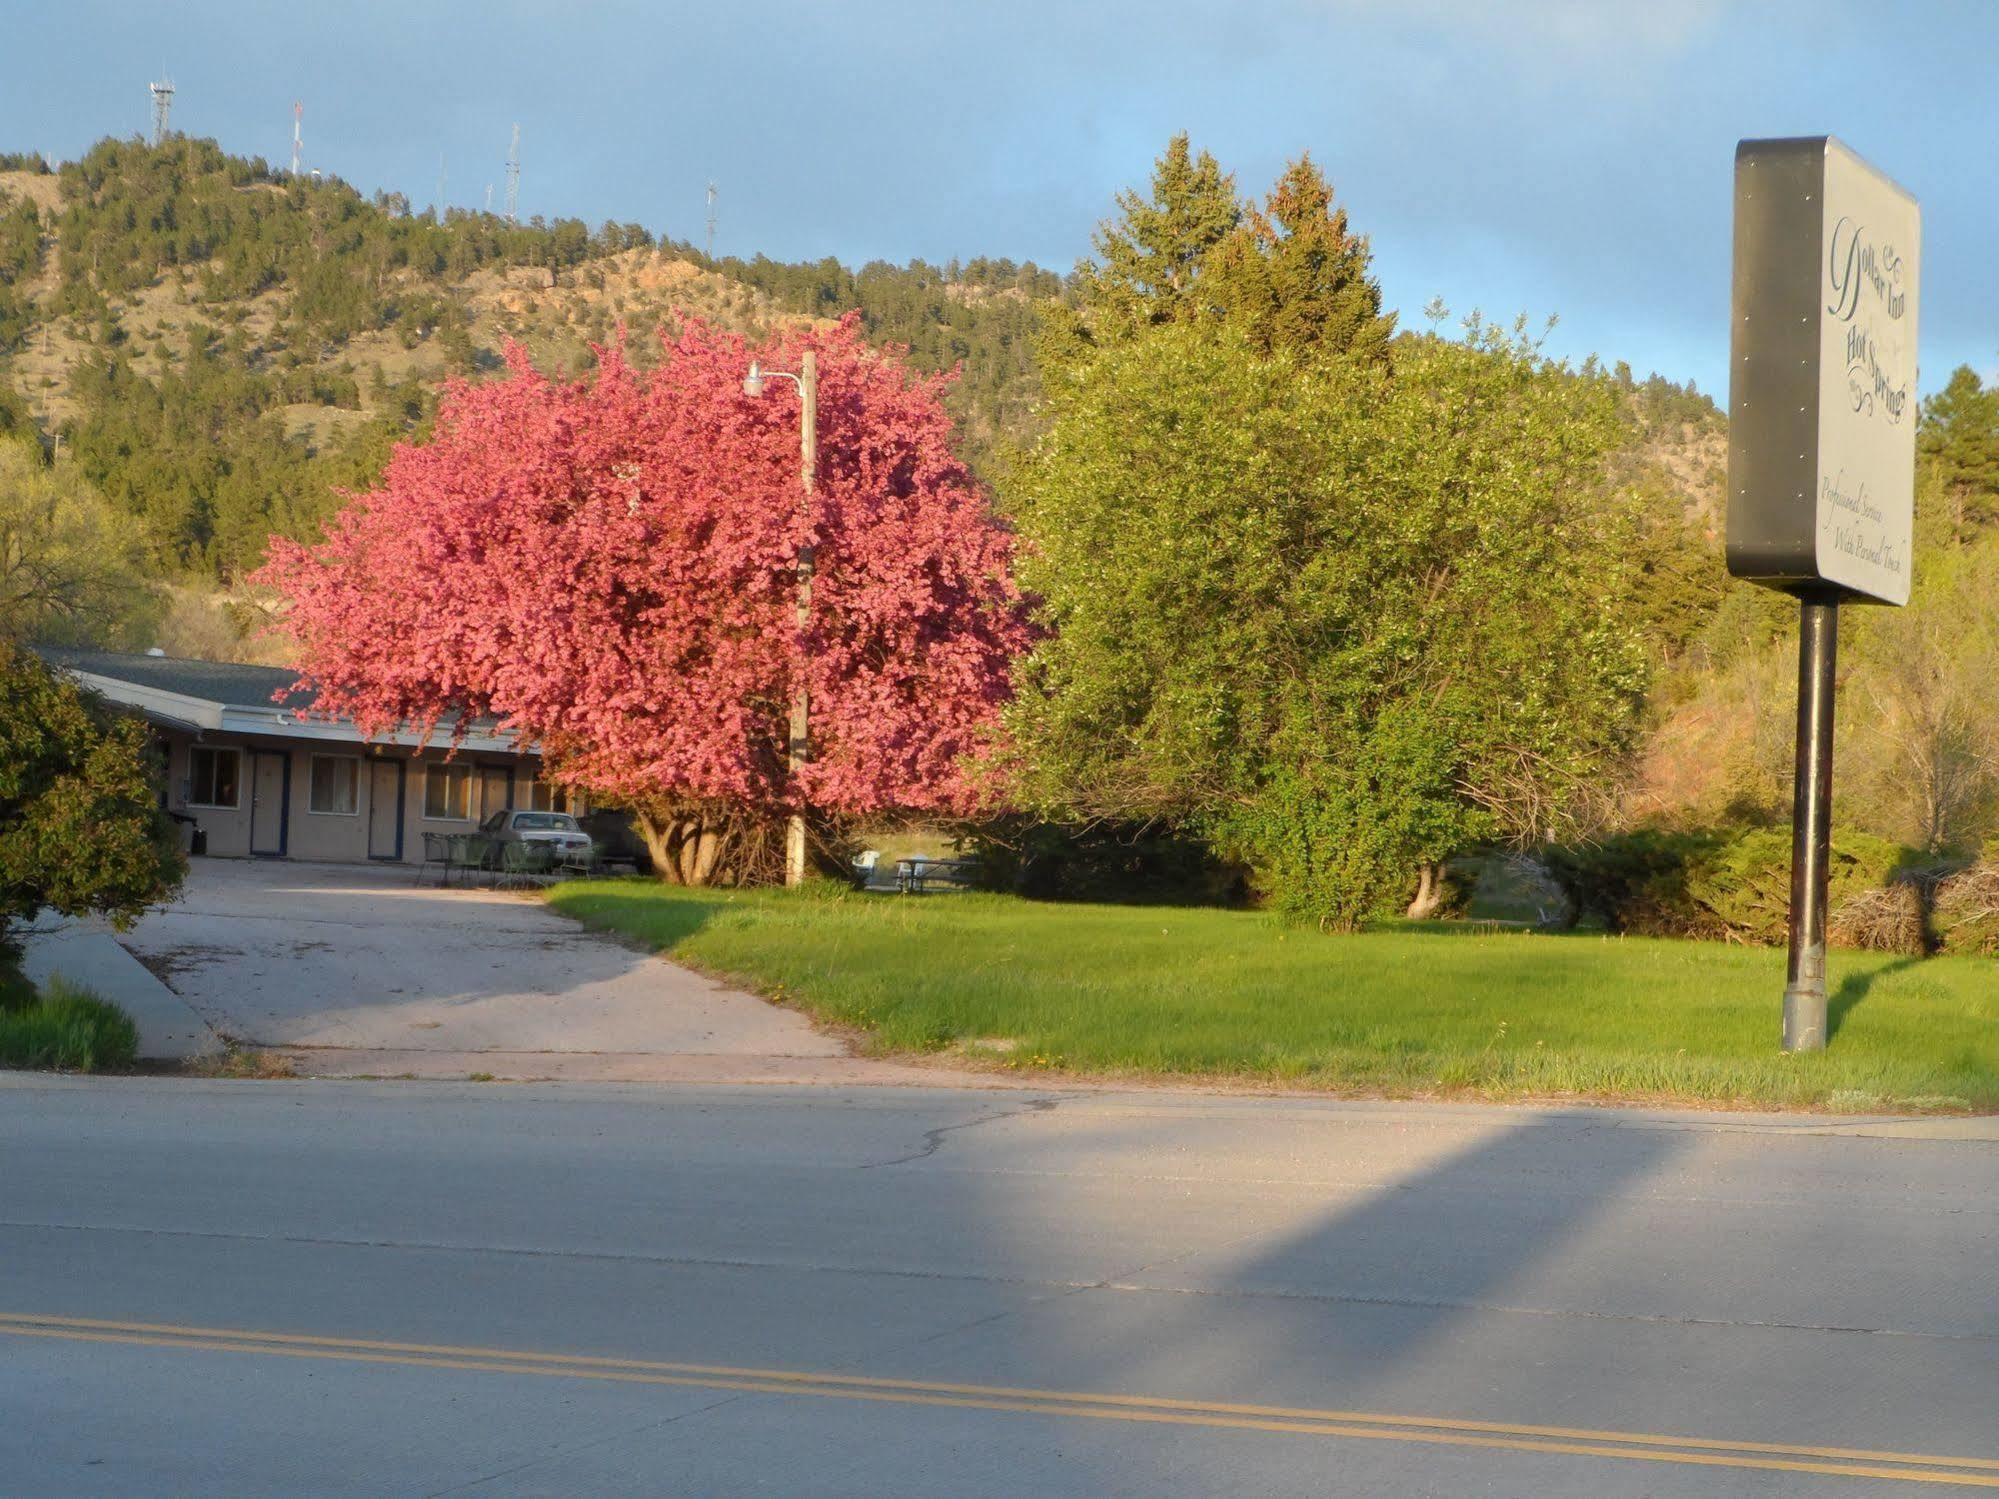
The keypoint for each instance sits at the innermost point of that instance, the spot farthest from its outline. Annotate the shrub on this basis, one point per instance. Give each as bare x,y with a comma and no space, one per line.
1891,919
66,1028
1967,911
1734,886
1632,882
1744,885
81,829
1122,863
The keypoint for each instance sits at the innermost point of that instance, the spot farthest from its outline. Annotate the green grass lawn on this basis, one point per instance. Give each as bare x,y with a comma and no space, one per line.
1411,1010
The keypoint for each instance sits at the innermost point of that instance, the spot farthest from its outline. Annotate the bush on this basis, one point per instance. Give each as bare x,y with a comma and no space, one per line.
1966,914
1733,886
1116,863
1891,919
81,828
1632,882
66,1028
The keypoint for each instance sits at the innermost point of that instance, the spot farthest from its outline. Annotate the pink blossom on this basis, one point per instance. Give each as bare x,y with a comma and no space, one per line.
606,565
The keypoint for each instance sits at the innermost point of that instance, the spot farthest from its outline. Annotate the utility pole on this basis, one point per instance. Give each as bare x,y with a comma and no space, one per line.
801,706
807,381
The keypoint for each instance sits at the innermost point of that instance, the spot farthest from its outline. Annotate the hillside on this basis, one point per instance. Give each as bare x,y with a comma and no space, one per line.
220,347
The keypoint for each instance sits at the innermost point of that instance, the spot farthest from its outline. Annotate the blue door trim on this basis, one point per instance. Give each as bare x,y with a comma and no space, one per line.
402,806
284,805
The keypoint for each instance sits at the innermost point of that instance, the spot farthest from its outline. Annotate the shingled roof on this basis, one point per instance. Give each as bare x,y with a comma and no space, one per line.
229,683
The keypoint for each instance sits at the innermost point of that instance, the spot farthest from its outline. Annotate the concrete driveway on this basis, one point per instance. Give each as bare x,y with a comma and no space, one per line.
356,970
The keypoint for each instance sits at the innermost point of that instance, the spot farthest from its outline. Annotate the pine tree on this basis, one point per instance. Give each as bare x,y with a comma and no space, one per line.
1154,253
1959,437
1292,276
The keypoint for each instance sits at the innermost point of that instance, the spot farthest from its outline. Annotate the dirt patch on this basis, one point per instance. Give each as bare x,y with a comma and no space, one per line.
168,963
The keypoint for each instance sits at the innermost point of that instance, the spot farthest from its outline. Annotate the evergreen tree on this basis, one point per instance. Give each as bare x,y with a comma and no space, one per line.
1291,275
1959,437
1153,256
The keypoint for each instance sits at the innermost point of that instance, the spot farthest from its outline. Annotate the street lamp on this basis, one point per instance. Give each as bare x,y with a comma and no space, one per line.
807,381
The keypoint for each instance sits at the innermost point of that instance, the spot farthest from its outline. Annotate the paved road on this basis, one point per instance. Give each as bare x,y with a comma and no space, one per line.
353,1288
355,969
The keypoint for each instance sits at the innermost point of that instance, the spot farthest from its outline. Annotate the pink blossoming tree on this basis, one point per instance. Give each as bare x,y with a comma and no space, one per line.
606,565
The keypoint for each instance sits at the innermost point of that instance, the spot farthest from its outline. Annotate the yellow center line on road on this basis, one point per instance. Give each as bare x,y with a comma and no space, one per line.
1907,1467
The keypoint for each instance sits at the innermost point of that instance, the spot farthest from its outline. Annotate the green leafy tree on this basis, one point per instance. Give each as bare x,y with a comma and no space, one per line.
81,827
1344,622
1921,714
72,568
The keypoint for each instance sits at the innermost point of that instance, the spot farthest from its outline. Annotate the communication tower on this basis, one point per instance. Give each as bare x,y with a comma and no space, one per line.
711,221
298,137
163,103
514,179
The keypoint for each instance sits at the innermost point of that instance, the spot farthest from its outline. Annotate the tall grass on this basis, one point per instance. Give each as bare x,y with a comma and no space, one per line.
1401,1011
64,1027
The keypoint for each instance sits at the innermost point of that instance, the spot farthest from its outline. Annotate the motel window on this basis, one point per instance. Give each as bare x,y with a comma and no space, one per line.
542,797
336,784
212,777
447,793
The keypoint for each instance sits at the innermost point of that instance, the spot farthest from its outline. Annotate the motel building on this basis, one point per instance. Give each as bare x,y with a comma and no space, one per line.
247,777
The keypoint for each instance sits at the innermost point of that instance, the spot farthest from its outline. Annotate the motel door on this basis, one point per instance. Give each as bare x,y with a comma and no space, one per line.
495,788
385,809
267,803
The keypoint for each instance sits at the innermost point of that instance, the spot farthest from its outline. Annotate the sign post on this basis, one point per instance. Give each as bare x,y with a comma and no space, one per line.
1822,452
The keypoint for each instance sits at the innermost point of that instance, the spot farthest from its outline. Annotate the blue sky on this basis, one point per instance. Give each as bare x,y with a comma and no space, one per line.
1545,156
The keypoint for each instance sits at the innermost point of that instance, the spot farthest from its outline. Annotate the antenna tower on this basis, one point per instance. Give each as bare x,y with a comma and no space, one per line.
514,179
298,137
441,181
163,103
711,221
489,197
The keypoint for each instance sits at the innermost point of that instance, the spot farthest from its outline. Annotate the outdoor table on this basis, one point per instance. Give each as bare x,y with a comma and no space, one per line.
912,875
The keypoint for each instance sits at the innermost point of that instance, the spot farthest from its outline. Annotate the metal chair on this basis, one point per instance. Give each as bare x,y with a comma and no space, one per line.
522,866
436,851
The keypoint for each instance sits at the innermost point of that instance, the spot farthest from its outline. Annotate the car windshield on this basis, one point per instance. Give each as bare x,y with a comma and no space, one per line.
544,822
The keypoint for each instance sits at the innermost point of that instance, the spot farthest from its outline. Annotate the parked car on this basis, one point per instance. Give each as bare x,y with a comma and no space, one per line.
558,830
617,840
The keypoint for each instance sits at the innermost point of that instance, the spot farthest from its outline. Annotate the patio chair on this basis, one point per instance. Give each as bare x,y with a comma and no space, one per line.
471,852
522,866
436,855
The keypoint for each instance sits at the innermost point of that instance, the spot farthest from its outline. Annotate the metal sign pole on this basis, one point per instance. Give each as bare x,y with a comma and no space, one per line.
1822,452
1811,826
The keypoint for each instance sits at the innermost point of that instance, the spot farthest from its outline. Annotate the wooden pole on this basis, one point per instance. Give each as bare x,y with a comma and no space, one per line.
801,704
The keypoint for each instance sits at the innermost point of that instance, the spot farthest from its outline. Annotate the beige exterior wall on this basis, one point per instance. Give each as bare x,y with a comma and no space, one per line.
268,810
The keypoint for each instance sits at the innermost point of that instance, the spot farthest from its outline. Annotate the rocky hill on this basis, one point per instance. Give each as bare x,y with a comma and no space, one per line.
221,347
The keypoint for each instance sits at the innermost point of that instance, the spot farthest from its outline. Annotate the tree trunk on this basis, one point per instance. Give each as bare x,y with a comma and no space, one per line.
706,845
1429,892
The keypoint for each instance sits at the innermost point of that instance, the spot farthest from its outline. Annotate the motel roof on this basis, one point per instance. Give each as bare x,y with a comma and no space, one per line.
229,697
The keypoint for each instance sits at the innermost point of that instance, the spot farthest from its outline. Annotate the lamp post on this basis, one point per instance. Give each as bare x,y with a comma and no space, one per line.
807,381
